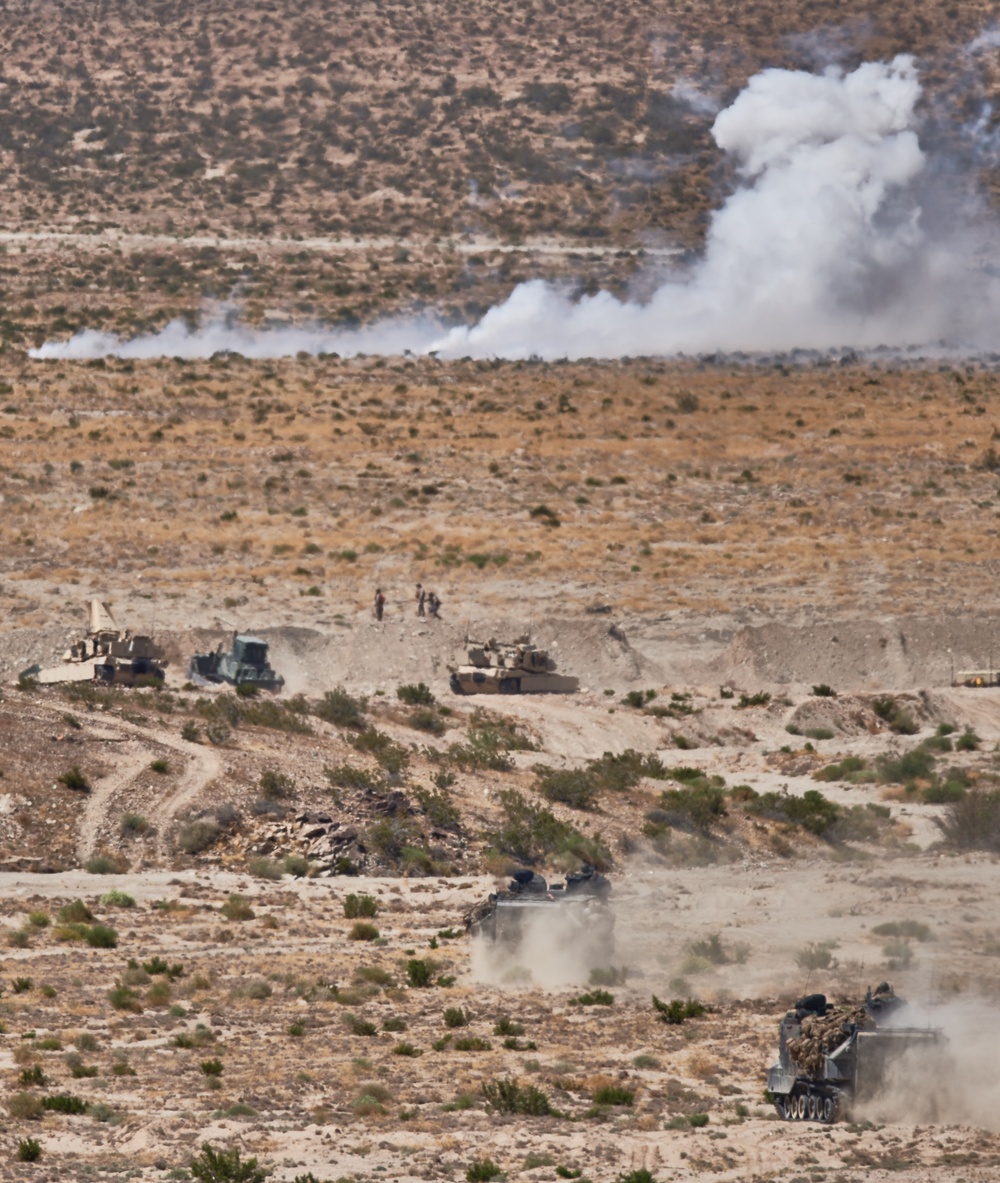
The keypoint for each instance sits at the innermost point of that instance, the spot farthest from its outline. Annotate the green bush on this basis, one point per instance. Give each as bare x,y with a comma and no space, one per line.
812,811
32,1077
339,708
103,864
842,770
973,822
225,1166
624,770
101,936
455,1016
29,1150
197,835
507,1096
968,741
441,811
593,998
358,1026
824,691
360,906
117,899
211,1067
574,787
363,930
237,908
64,1103
697,806
472,1043
74,779
482,1170
133,825
390,755
276,786
677,1010
907,929
122,998
613,1094
419,973
407,1049
531,834
418,695
891,712
915,765
346,776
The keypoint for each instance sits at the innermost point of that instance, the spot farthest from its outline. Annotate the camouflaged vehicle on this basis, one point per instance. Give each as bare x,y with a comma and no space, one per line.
495,667
106,654
575,915
244,664
832,1056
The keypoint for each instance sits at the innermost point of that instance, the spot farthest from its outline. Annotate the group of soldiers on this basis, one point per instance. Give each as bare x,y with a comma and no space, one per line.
428,603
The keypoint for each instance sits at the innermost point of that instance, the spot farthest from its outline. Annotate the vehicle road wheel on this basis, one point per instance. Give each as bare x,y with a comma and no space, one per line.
800,1108
788,1108
815,1108
828,1109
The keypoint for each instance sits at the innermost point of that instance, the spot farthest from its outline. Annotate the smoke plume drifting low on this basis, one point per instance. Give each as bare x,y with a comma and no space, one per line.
824,244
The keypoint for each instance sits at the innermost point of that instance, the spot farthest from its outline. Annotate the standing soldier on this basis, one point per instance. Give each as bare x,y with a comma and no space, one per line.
379,603
421,597
434,604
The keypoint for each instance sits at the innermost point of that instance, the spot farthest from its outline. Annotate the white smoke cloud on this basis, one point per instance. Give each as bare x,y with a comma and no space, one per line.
820,246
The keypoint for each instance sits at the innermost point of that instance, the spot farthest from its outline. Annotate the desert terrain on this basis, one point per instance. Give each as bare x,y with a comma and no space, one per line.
234,923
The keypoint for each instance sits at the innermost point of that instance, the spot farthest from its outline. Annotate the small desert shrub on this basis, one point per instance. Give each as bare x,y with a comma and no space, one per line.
237,908
101,936
407,1049
359,1026
197,835
21,985
29,1150
812,811
38,919
472,1043
264,868
815,955
429,721
74,779
362,930
24,1106
419,973
507,1096
360,906
276,786
676,1012
395,1024
418,695
32,1077
339,708
190,731
225,1166
258,990
613,1094
103,864
210,1067
122,998
593,998
117,899
574,787
505,1025
482,1170
455,1016
824,691
133,825
441,811
646,1061
907,929
64,1103
161,766
347,776
898,718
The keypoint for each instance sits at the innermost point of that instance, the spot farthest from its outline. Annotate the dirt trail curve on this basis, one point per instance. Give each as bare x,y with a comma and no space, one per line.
202,765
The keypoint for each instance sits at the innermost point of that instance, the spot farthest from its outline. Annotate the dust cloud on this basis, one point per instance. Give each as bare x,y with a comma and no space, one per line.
954,1082
833,237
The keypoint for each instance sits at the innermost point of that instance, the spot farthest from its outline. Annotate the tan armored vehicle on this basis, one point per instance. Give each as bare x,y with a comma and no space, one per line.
516,668
106,654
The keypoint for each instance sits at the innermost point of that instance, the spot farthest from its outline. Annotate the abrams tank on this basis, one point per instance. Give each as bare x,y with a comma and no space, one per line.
106,654
244,665
572,917
495,667
830,1057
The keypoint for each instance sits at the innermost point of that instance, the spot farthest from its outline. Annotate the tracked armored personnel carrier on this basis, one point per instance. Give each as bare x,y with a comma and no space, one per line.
575,915
107,654
495,667
244,664
830,1057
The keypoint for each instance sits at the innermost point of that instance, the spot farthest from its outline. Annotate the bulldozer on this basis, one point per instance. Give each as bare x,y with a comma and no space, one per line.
517,667
245,664
832,1057
107,654
572,916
